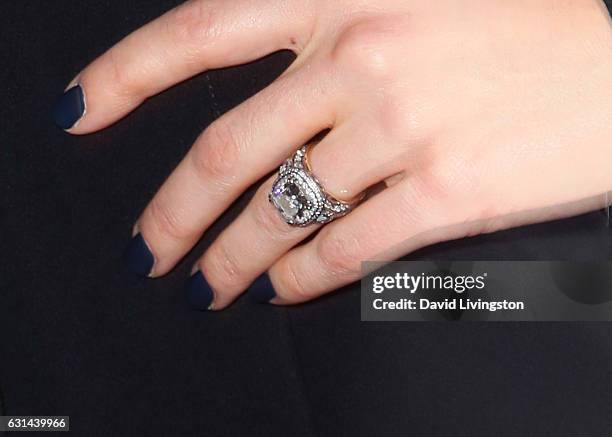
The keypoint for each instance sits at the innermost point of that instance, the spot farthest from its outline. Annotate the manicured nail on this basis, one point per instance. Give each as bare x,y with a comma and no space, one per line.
138,257
262,290
198,293
69,107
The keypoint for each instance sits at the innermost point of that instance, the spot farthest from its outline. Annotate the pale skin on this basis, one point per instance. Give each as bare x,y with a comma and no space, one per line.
478,115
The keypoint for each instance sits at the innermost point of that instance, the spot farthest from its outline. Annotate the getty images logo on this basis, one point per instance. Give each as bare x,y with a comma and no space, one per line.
423,282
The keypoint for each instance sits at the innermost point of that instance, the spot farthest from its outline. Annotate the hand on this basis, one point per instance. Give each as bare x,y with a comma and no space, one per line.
477,115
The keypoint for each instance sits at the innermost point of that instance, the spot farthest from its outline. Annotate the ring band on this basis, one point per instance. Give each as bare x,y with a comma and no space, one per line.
300,198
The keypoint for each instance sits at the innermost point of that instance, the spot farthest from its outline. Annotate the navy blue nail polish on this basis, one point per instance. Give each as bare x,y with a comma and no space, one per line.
138,258
262,290
198,293
69,107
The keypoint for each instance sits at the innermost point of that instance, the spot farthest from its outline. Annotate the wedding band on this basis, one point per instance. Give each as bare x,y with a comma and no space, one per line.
300,198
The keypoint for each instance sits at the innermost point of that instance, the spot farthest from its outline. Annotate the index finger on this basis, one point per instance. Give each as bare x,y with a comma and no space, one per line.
196,36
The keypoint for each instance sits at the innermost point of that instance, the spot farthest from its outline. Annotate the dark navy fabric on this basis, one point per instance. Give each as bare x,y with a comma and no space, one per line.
198,293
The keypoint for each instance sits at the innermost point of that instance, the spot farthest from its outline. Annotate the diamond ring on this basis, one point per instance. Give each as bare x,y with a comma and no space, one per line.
300,198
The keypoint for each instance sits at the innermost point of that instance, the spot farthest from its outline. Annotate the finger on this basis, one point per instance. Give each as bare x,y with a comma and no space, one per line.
353,158
398,220
196,36
259,236
235,151
406,217
246,248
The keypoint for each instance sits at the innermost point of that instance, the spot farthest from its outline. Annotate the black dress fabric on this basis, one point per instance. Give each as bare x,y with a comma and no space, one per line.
125,357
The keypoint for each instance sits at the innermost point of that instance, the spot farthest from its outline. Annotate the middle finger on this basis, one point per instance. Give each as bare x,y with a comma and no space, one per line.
259,236
231,154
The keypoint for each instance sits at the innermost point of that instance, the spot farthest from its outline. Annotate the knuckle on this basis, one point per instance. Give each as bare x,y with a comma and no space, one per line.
397,117
192,23
166,220
223,268
292,283
447,192
449,178
435,183
339,254
123,78
217,153
361,48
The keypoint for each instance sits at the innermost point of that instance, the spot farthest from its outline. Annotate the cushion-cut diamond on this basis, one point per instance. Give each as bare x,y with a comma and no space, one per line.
289,201
289,205
299,197
293,200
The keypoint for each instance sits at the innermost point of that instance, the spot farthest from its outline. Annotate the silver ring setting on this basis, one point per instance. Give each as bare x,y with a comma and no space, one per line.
300,198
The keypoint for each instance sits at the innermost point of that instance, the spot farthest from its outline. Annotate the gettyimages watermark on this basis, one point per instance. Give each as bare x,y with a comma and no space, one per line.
457,285
487,290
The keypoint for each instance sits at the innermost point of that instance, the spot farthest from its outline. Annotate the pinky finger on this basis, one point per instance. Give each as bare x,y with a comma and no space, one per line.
396,221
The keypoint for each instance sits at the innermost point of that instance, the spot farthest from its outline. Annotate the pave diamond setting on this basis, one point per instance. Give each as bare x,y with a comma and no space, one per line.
299,197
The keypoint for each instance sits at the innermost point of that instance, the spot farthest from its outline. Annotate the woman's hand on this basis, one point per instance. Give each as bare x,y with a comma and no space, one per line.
478,115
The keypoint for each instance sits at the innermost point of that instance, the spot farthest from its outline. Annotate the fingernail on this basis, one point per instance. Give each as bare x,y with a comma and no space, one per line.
69,108
198,293
138,257
262,290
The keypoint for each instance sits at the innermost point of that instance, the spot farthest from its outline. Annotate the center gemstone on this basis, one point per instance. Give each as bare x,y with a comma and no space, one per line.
289,200
292,201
